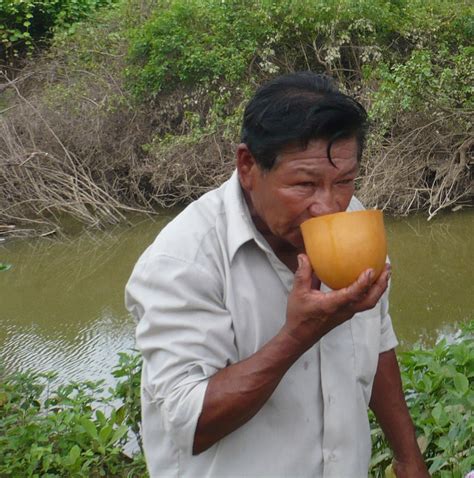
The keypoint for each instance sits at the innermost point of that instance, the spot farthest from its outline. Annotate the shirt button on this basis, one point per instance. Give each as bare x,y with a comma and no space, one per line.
331,399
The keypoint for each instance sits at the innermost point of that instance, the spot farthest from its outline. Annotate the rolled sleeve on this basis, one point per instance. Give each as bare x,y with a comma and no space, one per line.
388,339
185,336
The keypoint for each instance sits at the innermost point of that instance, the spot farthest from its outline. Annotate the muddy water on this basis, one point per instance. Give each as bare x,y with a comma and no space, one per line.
62,309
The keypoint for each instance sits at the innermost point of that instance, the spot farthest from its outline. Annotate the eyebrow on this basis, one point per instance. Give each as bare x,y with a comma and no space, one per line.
310,171
352,170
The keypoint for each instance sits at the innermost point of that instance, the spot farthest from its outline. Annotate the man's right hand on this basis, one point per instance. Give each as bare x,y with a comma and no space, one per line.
311,314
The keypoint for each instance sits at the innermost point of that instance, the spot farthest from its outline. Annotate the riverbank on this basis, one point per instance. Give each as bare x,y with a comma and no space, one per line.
139,107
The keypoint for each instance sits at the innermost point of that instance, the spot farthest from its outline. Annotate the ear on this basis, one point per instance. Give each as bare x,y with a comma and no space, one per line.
247,167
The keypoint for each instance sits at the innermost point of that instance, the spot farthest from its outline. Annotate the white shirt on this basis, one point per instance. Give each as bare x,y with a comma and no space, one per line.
211,292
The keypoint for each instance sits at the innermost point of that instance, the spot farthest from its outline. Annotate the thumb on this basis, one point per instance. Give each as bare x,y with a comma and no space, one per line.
302,278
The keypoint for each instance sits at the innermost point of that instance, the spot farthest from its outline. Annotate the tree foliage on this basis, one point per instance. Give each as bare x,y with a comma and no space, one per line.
26,24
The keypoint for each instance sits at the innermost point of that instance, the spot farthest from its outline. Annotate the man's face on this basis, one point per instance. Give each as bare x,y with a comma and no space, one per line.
301,185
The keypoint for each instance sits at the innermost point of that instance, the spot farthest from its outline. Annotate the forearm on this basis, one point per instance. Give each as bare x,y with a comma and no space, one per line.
235,394
389,406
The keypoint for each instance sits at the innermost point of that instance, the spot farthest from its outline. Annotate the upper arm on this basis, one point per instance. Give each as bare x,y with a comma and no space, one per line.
185,335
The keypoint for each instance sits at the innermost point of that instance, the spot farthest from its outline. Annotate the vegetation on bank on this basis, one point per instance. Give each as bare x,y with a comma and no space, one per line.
26,25
438,385
76,430
140,105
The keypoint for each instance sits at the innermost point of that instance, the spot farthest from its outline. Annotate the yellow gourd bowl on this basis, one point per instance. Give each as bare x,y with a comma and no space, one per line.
341,246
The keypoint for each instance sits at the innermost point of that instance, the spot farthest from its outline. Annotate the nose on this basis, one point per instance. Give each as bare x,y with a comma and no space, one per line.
323,202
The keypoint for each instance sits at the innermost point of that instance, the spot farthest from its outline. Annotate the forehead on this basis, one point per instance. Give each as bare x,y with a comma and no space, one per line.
315,155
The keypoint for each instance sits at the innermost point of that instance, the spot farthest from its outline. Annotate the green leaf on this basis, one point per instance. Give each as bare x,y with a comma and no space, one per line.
436,412
89,427
428,383
4,266
423,443
438,463
101,417
104,434
381,457
74,454
461,383
120,415
118,434
444,443
389,472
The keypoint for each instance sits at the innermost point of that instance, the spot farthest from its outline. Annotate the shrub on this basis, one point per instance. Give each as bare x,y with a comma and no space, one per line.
409,62
25,24
203,42
438,385
77,430
71,134
73,430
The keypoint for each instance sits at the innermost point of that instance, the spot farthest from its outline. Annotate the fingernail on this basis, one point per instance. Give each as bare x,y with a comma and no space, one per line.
370,274
300,262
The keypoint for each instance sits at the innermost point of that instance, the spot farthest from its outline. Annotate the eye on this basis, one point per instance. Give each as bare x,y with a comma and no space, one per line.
345,181
306,184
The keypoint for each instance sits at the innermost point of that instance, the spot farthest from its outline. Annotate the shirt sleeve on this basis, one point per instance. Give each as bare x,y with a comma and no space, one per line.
388,339
185,335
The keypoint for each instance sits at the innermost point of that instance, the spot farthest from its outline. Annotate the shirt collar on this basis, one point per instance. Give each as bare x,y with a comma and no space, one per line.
240,227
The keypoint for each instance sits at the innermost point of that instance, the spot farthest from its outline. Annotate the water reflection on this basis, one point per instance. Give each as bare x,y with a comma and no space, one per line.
433,275
62,302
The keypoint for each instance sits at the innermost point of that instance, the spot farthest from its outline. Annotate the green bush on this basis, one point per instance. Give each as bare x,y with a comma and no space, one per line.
208,41
75,430
410,62
438,385
25,24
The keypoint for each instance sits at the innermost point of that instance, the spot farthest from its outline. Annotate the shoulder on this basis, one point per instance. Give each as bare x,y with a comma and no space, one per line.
192,236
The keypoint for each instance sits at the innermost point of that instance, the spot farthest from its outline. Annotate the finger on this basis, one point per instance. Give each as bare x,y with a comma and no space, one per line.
357,290
302,279
375,292
351,294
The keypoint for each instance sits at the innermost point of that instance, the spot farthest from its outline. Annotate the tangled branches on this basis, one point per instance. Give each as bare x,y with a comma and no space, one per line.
423,166
42,178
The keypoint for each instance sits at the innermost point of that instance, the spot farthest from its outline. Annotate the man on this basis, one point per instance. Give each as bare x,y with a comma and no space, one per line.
252,367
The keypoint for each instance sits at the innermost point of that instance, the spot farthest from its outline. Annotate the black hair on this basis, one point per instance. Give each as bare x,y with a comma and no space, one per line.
296,108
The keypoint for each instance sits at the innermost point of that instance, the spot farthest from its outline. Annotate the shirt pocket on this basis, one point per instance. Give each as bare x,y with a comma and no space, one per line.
365,328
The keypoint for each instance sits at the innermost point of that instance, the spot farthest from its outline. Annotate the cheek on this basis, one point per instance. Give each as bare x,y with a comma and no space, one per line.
291,208
344,195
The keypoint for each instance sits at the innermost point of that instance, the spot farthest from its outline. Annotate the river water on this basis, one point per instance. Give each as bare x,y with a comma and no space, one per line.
61,303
